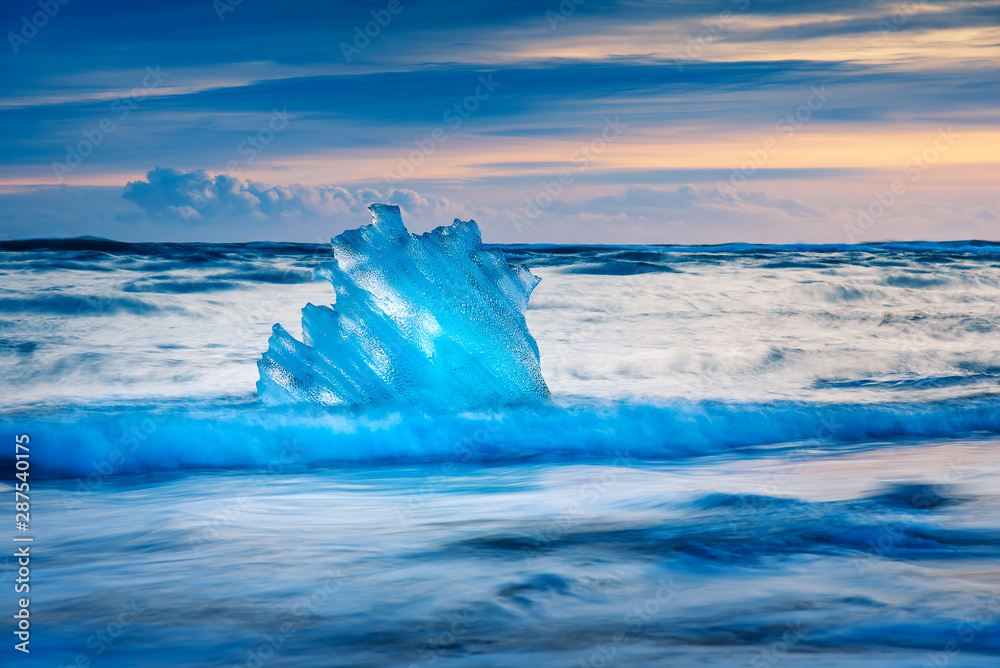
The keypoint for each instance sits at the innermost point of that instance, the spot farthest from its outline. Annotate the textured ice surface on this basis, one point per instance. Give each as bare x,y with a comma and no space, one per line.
434,319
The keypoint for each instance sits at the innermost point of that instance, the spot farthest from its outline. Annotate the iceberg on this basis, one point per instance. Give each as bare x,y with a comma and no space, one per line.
435,319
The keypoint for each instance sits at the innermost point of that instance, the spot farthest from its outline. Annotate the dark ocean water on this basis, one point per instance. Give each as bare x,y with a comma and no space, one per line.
752,456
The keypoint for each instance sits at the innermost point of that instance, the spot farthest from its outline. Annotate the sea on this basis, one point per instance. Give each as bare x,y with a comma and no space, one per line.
751,456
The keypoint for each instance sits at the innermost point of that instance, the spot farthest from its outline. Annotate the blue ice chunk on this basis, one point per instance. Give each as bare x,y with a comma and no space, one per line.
434,319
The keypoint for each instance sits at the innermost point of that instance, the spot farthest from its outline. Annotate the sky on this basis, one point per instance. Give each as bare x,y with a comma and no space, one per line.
572,121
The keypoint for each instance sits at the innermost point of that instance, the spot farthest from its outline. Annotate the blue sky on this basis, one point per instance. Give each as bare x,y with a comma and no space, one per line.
597,121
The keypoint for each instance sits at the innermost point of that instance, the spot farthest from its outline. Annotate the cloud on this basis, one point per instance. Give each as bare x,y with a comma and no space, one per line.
682,215
170,197
884,19
194,197
686,201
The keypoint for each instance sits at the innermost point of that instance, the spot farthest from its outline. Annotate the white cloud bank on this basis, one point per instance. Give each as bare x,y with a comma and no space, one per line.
199,198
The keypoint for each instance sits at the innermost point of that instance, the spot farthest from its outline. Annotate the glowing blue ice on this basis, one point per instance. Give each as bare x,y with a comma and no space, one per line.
434,319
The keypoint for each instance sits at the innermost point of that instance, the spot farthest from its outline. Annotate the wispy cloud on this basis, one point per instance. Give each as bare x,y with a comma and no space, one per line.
897,70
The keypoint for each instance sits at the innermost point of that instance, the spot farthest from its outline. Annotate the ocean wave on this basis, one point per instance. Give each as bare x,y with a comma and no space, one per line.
91,250
178,287
76,305
619,268
110,246
86,442
748,529
772,256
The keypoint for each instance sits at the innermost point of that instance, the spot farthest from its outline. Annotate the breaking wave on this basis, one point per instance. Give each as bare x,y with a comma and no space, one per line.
109,441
